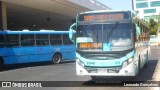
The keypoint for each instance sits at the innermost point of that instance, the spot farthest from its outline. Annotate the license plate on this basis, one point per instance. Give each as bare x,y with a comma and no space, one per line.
102,70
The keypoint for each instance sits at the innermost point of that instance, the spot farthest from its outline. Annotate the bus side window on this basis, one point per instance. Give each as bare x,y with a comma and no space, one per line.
42,39
12,40
55,39
27,40
1,40
66,39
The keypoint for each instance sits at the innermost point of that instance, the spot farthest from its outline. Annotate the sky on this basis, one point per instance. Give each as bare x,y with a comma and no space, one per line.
118,4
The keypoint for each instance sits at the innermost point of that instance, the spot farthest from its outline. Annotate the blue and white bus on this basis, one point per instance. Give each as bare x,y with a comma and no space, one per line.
110,43
35,46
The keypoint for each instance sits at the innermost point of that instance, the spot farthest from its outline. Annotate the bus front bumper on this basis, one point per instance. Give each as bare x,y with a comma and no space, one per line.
129,70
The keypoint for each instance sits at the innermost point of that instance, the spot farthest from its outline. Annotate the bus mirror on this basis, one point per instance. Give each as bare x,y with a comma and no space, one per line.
138,30
71,31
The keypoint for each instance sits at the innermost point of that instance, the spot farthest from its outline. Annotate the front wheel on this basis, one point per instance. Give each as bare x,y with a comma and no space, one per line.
57,58
94,78
99,78
139,66
146,64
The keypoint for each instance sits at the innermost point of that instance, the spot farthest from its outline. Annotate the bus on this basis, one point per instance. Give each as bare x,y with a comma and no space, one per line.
35,46
110,43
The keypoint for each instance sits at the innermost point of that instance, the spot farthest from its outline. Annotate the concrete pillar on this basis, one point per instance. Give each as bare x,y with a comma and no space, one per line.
3,12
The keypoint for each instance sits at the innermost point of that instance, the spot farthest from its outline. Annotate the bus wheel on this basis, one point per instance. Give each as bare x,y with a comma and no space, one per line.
94,78
139,65
1,62
98,78
146,64
57,58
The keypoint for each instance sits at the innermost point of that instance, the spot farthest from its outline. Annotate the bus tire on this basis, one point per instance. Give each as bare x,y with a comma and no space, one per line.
57,58
146,64
94,78
98,78
1,62
139,65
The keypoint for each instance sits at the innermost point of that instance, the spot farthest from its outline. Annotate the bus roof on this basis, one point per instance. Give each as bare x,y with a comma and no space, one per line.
34,32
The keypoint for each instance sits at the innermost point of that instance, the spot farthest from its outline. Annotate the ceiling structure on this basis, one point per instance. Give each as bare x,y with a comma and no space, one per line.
46,14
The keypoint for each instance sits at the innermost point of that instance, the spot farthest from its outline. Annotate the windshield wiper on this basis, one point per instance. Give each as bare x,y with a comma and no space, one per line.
96,35
111,31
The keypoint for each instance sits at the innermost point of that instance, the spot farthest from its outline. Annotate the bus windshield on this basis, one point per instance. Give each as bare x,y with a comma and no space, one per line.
92,37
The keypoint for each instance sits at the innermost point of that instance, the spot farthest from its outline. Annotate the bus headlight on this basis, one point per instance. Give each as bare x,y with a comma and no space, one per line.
80,63
125,63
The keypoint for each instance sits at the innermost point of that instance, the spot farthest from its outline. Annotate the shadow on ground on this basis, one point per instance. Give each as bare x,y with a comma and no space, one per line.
26,65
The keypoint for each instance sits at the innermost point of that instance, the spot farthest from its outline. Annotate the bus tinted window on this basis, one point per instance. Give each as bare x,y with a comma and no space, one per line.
12,40
42,39
1,41
27,40
55,39
66,39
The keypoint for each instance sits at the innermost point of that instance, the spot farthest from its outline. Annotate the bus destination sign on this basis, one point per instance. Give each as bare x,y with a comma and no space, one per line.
104,16
90,45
